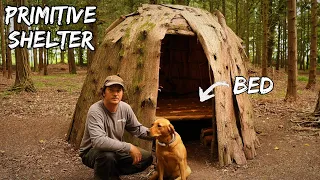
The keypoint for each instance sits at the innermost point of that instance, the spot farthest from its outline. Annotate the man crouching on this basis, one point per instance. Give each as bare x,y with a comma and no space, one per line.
102,147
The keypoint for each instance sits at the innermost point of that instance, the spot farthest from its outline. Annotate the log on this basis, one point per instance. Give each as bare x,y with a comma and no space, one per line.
205,134
207,140
180,32
187,117
317,109
115,23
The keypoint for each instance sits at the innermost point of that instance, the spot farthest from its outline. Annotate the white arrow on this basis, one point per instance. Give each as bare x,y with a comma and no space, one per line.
204,95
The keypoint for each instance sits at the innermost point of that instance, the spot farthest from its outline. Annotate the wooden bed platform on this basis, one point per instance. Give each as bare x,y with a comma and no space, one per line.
184,109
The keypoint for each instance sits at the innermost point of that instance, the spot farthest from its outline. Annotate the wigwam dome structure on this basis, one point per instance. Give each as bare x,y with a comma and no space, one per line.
165,53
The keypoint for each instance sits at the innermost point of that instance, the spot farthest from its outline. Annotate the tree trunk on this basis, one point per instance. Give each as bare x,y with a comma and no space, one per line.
62,56
271,31
91,54
49,57
292,52
284,44
3,42
247,12
307,63
23,81
45,58
80,55
9,63
71,61
279,47
42,51
282,25
56,55
302,41
8,54
40,59
8,51
316,111
313,46
258,55
283,52
258,39
35,60
265,37
45,62
308,39
253,43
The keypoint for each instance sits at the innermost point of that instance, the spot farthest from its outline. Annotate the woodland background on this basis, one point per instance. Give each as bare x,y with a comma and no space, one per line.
262,25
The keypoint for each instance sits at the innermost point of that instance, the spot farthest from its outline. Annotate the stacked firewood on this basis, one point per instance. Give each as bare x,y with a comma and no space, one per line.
206,136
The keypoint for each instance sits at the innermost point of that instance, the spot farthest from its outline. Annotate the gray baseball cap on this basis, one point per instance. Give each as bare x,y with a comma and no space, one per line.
113,79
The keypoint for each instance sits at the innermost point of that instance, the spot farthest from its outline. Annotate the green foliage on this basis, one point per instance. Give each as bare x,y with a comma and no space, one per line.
121,52
147,26
127,34
143,35
64,82
45,77
39,84
109,10
137,86
140,62
303,78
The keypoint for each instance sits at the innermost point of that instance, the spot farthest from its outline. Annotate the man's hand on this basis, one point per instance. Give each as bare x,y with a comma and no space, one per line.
135,154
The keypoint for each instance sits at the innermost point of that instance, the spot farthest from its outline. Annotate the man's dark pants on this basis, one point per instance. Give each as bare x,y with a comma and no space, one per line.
109,165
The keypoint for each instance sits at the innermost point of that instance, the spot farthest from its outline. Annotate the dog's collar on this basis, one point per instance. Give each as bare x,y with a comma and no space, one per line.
172,140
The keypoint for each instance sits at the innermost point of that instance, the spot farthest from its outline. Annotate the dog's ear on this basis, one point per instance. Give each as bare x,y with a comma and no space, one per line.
171,129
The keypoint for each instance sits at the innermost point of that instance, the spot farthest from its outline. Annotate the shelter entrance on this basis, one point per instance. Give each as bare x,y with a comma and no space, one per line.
183,69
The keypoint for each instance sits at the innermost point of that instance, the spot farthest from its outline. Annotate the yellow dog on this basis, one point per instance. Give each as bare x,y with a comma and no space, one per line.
170,151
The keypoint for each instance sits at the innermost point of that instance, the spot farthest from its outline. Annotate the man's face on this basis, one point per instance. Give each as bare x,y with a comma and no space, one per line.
113,94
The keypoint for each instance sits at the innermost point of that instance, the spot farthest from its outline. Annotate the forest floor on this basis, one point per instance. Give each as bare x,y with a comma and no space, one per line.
33,127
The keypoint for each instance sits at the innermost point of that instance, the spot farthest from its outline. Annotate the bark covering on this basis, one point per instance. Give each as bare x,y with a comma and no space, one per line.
313,47
3,44
23,80
292,52
132,49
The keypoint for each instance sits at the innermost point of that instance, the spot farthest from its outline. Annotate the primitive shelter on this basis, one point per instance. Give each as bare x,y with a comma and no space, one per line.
165,53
